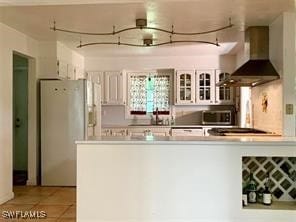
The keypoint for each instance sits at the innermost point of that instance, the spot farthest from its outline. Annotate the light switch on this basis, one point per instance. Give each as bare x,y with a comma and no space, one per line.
289,109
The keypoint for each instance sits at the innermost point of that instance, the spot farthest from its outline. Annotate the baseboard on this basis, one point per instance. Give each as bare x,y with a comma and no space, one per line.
32,182
6,198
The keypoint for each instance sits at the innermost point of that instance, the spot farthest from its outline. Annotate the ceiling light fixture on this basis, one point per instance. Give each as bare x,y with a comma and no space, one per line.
147,43
140,25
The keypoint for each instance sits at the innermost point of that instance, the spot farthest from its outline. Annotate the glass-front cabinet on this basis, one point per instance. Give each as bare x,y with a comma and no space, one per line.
185,87
205,87
224,95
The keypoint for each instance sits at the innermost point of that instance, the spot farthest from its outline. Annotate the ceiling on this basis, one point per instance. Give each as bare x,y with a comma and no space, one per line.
34,20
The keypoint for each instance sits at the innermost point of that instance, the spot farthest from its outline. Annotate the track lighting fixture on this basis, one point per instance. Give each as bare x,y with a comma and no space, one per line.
141,24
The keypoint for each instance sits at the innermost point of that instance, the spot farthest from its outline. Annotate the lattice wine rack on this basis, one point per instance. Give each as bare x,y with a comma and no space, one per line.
282,172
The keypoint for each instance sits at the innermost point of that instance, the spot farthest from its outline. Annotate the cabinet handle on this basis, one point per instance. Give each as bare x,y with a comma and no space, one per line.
188,131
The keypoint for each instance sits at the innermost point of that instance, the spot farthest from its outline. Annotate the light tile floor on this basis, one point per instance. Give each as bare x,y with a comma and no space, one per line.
58,202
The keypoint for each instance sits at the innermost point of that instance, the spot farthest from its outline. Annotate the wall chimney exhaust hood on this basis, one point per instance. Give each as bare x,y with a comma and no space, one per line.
258,69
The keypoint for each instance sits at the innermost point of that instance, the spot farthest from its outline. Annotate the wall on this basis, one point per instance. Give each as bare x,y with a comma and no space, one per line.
289,70
12,40
157,62
272,119
282,31
114,115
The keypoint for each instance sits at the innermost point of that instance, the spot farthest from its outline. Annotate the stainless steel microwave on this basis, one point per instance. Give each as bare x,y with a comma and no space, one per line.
223,117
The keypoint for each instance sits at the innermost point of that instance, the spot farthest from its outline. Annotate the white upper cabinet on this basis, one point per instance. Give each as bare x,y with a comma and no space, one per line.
56,61
62,69
199,88
98,77
185,87
114,85
71,72
224,95
205,87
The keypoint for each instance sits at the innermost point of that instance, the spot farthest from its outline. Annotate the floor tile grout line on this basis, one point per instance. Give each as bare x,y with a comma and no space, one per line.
64,212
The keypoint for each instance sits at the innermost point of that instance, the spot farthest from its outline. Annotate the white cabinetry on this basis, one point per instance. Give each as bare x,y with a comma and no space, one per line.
114,88
71,72
205,87
56,61
98,77
187,132
137,131
185,87
199,88
224,95
153,131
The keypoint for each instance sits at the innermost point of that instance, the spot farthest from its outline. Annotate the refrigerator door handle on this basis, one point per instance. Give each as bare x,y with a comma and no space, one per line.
92,117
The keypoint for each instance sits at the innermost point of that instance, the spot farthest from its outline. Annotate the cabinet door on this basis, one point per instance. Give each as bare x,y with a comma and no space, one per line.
98,77
114,91
140,131
70,72
160,131
79,73
106,132
185,87
119,132
62,69
205,87
224,95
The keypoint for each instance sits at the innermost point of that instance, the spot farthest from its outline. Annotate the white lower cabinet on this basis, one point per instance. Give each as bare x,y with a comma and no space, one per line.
137,131
106,132
187,132
153,131
119,132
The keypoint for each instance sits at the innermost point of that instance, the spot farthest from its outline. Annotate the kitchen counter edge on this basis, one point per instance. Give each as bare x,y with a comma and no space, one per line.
215,140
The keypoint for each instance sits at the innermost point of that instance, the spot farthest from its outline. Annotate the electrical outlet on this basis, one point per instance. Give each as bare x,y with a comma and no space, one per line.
289,109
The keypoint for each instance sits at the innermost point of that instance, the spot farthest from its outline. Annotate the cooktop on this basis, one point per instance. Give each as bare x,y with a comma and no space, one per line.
224,131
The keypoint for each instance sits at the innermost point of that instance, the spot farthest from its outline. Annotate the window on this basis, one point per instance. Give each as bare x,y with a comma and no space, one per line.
148,92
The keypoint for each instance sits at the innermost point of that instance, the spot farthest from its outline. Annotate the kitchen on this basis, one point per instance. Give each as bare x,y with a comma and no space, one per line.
180,99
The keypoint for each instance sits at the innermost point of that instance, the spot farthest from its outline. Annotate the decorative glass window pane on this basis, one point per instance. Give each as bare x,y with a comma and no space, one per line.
138,93
148,92
224,92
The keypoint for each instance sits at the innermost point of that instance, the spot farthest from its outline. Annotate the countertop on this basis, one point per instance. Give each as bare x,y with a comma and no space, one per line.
254,140
164,126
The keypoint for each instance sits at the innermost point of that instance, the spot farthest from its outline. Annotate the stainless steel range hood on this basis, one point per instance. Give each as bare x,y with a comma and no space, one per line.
258,69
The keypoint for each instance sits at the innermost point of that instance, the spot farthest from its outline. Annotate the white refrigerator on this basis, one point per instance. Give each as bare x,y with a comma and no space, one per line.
70,110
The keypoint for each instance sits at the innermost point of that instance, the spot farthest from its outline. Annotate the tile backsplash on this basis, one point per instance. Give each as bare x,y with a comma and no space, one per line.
269,95
282,172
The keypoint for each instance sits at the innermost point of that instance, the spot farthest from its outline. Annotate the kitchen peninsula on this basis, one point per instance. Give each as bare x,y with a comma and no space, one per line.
173,178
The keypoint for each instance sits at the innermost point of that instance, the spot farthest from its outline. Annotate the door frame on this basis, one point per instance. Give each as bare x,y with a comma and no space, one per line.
33,120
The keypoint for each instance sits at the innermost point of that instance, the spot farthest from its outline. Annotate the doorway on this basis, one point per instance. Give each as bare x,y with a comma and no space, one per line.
20,119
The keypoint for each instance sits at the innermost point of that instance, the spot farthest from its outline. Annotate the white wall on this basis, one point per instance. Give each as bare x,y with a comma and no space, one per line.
289,72
157,62
12,40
